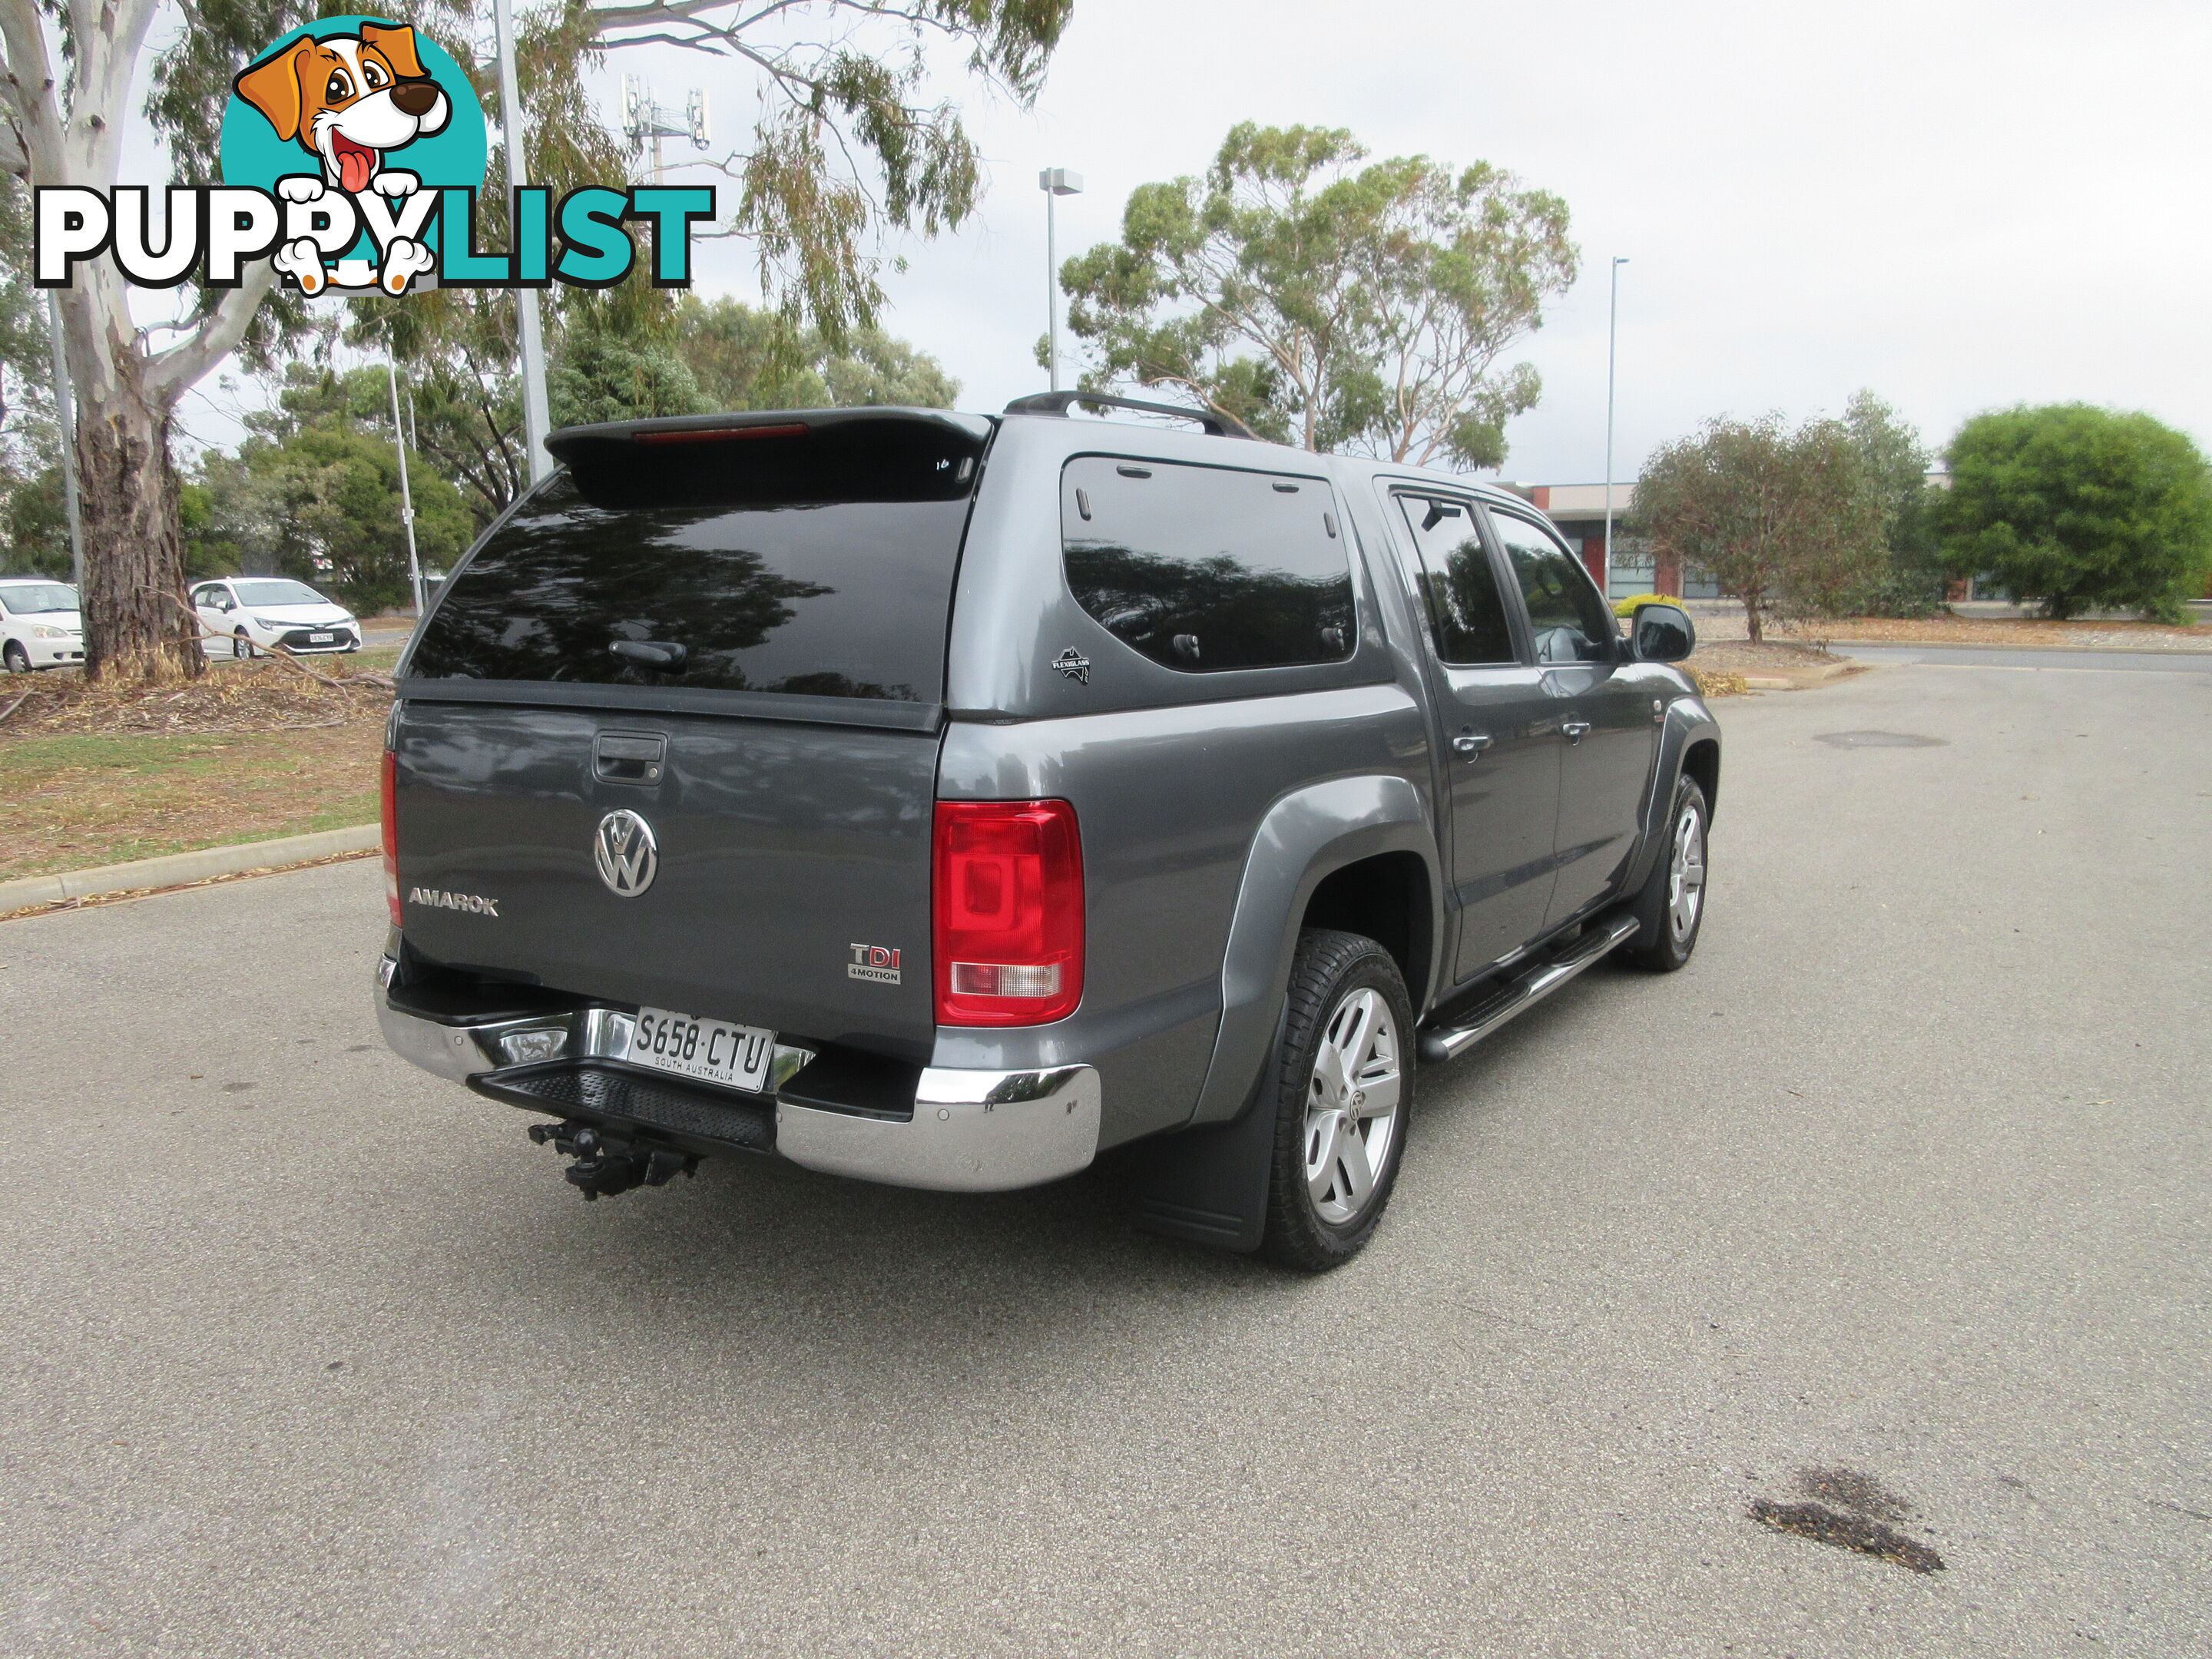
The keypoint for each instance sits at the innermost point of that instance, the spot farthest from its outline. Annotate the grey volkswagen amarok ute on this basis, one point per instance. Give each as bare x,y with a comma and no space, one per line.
950,800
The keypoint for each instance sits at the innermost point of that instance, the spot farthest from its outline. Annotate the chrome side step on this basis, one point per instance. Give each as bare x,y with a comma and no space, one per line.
1518,995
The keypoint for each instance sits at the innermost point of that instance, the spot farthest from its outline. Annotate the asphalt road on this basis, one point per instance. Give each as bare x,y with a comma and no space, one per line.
302,1353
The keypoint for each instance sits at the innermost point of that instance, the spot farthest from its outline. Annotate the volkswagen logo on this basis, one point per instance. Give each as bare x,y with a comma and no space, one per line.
626,854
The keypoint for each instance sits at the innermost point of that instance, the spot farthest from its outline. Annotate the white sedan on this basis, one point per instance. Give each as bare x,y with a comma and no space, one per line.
39,625
240,616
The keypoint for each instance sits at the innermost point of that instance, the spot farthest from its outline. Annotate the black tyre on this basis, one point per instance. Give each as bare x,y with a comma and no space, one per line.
18,659
1672,906
1343,1077
240,647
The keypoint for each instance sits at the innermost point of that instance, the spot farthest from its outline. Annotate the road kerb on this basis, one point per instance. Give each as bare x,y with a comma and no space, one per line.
182,869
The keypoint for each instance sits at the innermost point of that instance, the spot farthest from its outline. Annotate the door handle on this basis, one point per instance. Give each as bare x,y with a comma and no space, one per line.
1470,743
622,758
1573,730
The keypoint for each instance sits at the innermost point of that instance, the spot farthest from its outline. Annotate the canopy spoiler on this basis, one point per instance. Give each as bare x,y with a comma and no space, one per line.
776,456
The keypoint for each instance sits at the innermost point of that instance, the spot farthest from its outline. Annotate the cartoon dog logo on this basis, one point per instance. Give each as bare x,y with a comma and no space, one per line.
349,101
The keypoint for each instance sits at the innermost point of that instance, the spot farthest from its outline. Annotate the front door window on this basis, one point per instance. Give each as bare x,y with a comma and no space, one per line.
1569,621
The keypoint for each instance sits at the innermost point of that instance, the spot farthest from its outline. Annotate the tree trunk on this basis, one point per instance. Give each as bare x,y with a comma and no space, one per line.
134,573
136,627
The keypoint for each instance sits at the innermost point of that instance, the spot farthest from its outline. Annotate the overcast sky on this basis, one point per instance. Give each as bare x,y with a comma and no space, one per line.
1959,205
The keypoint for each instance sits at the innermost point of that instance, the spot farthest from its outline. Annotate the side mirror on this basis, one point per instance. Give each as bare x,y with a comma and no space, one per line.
1662,633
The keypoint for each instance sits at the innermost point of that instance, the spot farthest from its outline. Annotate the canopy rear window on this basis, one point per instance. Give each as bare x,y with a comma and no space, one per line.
815,559
1206,568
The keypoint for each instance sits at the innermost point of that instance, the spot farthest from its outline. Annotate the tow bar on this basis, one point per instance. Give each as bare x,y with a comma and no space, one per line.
606,1164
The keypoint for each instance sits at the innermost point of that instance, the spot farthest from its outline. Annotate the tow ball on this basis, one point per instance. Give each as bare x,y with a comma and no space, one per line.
606,1164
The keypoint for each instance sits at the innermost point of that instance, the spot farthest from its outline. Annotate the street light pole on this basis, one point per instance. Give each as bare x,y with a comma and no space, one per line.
65,415
535,420
1611,349
406,499
1054,182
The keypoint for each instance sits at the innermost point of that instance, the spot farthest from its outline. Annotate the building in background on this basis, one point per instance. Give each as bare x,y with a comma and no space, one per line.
1578,509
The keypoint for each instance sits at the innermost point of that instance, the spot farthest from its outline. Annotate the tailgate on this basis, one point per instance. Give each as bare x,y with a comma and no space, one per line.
780,848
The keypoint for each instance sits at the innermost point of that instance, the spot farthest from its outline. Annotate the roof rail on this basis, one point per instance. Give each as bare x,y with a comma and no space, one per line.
1058,403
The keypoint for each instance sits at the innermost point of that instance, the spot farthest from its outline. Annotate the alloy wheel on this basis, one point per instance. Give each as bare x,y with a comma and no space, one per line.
1686,877
1352,1107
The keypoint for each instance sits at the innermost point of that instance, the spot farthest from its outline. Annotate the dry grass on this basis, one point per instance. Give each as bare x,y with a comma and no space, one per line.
1767,657
101,774
1720,667
2005,630
269,695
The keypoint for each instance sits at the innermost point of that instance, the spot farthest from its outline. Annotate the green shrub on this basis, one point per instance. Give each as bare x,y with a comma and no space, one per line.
2077,508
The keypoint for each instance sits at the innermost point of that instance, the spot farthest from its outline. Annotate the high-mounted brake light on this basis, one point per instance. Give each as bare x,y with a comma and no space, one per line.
389,788
1008,904
720,434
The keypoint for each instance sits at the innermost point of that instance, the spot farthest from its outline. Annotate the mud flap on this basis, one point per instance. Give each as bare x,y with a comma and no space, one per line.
1209,1186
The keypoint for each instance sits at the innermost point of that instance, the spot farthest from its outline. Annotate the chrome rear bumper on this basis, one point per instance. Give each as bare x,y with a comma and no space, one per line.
974,1132
969,1131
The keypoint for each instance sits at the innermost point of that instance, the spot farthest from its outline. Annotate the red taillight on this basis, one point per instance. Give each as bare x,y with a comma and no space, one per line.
388,788
1009,910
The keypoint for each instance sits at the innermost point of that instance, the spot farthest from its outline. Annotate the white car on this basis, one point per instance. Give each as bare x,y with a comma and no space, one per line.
248,614
39,625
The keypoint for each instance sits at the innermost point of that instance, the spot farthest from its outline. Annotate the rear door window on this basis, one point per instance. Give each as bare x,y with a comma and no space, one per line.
1459,582
1204,569
815,560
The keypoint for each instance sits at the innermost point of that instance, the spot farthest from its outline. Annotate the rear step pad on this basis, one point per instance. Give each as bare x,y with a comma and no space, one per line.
1523,992
570,1089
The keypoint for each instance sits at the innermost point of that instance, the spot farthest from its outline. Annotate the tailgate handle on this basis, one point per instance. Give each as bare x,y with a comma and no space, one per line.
664,656
630,759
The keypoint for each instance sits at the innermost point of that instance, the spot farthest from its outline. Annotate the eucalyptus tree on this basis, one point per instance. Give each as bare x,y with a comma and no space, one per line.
1791,523
1367,309
33,539
64,112
747,357
849,141
1911,581
849,144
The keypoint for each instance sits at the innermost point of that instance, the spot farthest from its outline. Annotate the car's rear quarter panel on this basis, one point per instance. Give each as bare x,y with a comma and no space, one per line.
1168,800
1170,772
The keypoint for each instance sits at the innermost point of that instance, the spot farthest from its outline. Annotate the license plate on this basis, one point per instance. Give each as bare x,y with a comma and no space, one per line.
712,1050
320,639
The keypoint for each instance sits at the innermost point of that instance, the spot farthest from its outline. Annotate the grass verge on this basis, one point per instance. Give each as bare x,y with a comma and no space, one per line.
76,801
